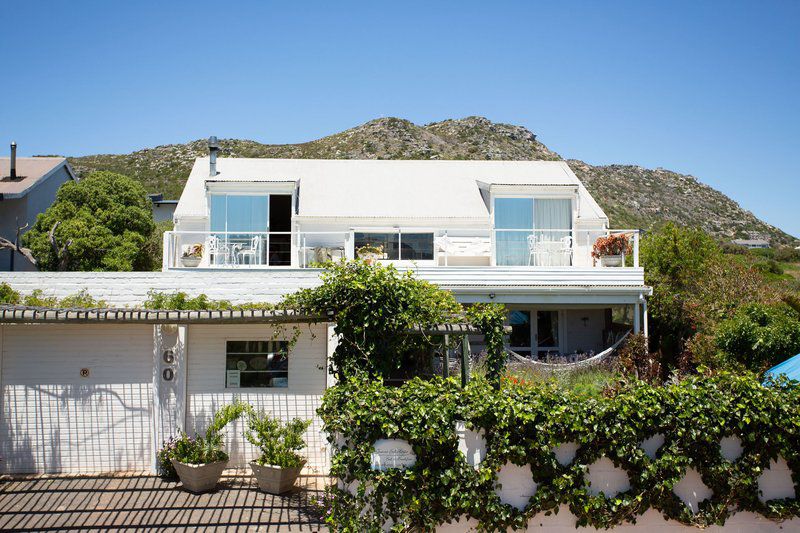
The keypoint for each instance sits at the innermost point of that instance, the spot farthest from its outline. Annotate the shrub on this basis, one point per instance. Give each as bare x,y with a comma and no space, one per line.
635,360
695,288
8,295
180,301
787,254
734,249
674,259
768,266
82,300
759,336
277,442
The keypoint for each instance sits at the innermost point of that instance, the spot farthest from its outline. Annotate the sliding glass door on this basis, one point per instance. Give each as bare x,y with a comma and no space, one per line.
513,222
238,226
532,231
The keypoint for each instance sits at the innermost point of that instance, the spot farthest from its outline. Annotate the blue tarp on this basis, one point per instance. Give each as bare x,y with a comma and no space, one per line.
790,368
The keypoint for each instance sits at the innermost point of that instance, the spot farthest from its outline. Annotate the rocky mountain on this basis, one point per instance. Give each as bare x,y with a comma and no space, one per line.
632,196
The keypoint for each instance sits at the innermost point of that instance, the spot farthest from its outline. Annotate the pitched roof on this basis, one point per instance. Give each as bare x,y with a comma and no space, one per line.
30,172
419,189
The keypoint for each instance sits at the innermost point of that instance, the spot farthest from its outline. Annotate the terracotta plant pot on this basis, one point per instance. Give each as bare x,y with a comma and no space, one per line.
274,479
190,261
199,478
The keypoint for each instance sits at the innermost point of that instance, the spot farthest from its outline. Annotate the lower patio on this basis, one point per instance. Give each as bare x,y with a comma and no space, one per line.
142,501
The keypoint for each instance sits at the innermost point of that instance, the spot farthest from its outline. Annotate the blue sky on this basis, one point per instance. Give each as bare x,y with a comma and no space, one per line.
707,88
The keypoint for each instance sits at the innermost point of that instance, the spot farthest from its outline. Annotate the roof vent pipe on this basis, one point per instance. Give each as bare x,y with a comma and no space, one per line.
13,165
213,148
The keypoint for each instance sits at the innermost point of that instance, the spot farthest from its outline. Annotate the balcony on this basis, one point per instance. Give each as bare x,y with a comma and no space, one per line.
423,247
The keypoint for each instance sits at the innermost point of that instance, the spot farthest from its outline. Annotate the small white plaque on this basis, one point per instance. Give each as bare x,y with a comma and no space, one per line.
233,379
392,453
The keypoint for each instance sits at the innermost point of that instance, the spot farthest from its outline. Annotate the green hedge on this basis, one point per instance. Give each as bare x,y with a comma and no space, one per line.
524,423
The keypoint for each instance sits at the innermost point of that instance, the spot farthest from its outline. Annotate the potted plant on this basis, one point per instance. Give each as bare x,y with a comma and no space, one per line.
611,250
192,255
278,465
199,461
370,253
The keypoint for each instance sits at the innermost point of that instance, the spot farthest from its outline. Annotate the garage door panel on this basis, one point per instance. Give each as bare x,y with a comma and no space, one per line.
55,420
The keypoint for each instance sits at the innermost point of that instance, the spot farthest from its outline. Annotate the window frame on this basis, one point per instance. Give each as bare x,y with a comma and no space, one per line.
572,196
255,338
398,231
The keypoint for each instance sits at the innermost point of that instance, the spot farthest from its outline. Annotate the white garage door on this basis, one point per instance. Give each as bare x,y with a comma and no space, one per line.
55,418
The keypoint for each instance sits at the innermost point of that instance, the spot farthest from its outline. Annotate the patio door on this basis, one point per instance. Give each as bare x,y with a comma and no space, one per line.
536,332
253,228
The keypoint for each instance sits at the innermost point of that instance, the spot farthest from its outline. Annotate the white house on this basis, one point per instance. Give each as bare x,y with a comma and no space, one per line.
101,390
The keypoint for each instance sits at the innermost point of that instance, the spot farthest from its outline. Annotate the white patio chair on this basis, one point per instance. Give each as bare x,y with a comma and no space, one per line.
218,252
253,253
444,244
533,250
565,251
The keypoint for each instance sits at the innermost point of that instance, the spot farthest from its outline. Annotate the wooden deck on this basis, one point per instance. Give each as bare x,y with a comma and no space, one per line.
141,502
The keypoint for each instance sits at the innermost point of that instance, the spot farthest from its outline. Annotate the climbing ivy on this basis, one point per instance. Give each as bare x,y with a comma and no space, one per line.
489,318
375,307
523,424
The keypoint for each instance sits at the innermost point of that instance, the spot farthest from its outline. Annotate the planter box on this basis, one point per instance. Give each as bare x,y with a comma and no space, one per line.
190,261
199,478
274,479
612,260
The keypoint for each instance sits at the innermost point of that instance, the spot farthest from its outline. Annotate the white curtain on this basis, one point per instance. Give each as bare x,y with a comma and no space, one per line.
550,214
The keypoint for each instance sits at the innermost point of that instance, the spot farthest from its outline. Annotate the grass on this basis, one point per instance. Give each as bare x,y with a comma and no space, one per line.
589,382
791,269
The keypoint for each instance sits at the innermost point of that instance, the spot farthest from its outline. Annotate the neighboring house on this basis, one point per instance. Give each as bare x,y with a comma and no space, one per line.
28,186
101,391
162,209
752,244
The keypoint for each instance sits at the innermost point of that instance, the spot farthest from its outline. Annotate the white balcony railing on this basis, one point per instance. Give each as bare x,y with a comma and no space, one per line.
425,247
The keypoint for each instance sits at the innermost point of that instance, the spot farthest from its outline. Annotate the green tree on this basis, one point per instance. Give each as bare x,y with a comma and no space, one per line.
102,222
674,259
759,336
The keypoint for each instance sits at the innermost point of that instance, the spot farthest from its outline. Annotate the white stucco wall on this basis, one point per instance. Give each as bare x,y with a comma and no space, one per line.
582,334
518,285
54,420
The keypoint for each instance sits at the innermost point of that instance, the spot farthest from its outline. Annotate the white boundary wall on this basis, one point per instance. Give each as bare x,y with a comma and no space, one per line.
516,487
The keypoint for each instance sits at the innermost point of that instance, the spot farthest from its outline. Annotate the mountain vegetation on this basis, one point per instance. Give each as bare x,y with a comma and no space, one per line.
632,196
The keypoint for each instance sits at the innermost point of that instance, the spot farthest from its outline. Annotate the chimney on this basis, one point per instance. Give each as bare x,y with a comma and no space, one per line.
213,148
13,173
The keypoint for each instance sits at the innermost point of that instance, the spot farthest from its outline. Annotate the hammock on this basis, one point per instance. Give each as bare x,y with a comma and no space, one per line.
591,361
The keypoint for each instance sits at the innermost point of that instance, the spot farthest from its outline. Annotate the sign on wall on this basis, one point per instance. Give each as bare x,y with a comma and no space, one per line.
392,453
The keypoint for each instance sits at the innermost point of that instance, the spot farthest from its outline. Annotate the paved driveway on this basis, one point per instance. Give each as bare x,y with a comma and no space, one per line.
146,502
